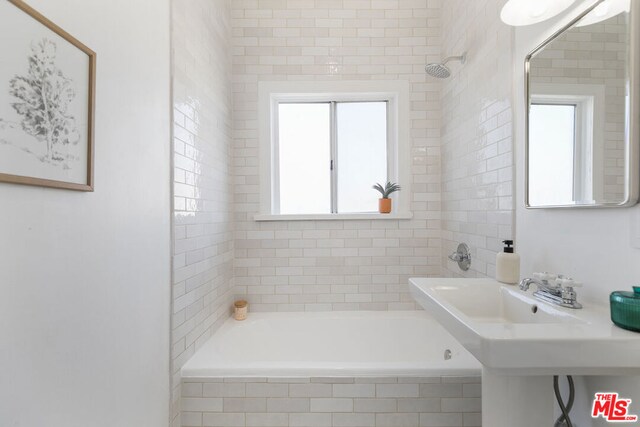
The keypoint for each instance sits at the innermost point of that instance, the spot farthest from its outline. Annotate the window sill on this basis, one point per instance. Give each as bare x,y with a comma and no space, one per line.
333,217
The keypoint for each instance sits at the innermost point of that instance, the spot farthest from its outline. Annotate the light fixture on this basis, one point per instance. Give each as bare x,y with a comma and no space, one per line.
605,10
526,12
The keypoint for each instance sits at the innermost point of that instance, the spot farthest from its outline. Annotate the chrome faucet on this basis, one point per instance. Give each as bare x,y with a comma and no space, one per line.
555,289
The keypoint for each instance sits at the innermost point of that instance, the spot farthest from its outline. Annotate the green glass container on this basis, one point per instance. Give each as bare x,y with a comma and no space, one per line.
625,309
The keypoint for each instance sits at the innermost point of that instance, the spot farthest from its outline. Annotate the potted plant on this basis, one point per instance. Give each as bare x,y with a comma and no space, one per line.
384,203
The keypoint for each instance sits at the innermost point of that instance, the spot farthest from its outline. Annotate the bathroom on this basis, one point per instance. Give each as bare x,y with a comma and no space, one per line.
109,294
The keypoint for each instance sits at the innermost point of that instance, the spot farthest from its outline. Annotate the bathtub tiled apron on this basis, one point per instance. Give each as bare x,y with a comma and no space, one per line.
328,402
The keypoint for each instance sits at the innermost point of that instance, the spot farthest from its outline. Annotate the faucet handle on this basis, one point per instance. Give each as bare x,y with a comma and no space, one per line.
568,282
545,276
567,291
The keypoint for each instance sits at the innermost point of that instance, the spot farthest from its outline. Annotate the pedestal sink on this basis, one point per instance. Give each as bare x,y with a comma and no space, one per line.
522,342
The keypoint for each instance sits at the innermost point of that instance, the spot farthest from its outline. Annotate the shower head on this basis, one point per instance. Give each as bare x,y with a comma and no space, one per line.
441,71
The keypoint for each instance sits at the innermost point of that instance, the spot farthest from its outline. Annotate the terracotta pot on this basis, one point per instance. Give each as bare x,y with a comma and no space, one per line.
384,206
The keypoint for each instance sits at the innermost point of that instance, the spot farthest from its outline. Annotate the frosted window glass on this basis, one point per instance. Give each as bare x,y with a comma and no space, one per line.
362,154
304,158
551,154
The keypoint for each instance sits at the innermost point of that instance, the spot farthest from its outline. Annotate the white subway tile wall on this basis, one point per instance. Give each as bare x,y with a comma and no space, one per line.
202,187
222,49
332,402
477,152
336,265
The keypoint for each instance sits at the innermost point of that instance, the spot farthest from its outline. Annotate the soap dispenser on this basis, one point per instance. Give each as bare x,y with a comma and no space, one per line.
508,264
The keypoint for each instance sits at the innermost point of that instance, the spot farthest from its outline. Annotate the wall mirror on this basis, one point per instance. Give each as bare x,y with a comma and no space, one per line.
582,112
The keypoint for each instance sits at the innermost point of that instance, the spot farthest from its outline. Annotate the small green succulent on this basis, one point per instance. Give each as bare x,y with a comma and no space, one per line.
391,187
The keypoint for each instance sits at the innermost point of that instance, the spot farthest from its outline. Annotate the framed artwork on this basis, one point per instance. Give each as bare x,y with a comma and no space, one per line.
47,90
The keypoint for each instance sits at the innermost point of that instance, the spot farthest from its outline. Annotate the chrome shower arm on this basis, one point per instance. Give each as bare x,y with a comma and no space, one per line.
462,58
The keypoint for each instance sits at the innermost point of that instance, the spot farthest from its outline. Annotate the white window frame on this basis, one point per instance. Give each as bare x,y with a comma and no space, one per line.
395,93
589,101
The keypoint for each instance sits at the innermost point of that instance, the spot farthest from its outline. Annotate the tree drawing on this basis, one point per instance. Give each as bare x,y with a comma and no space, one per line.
44,96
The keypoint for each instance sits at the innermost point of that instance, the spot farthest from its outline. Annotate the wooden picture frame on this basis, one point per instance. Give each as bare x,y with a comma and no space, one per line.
47,102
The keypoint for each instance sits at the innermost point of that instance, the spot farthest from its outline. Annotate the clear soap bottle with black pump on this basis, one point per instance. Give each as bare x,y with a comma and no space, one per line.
508,264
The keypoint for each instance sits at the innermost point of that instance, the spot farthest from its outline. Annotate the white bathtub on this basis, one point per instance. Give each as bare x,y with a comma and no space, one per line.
332,344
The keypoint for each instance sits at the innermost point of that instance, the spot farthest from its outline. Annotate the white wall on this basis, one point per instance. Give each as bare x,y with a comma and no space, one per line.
202,187
84,277
593,246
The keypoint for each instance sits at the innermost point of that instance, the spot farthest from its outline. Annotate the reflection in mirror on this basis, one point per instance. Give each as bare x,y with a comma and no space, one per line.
579,92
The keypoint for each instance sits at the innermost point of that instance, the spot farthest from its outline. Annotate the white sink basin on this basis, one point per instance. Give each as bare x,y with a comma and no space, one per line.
488,303
511,332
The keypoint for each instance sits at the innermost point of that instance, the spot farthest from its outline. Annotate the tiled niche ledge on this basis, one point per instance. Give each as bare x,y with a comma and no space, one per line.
332,402
330,217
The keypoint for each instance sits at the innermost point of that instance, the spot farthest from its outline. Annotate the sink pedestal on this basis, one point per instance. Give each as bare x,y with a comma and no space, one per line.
509,400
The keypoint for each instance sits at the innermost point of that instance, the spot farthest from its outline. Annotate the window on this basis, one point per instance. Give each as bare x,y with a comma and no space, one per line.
329,156
361,139
304,157
323,151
